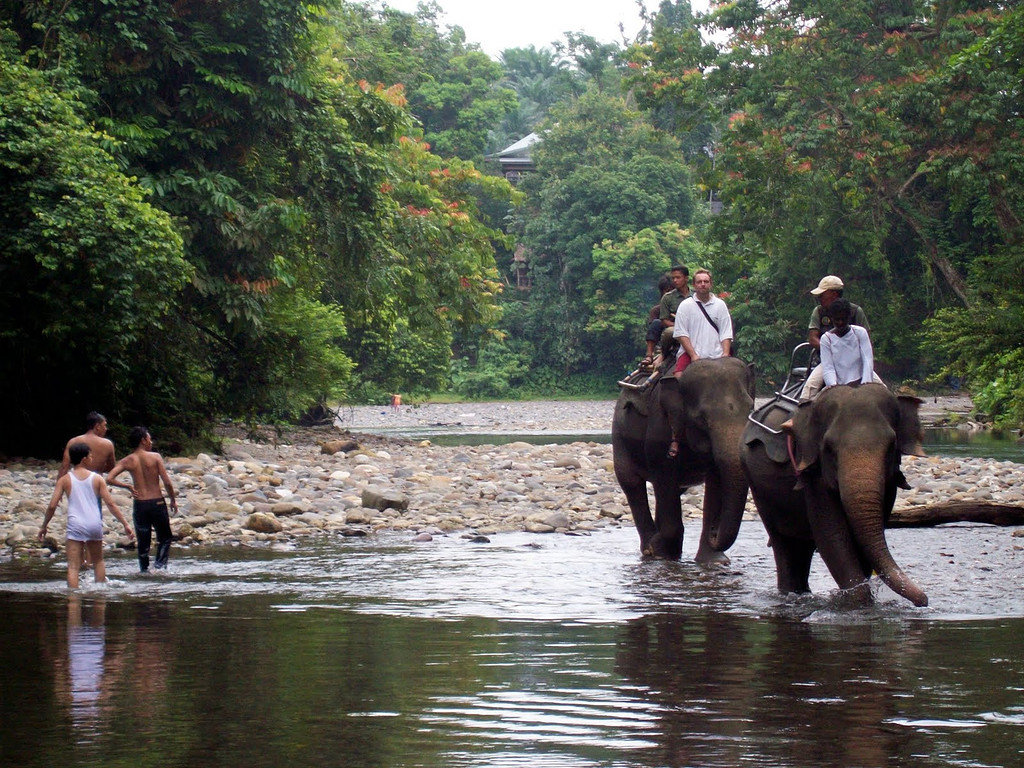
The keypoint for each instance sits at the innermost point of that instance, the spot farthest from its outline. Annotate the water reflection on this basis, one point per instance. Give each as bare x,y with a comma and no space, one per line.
538,651
85,669
771,693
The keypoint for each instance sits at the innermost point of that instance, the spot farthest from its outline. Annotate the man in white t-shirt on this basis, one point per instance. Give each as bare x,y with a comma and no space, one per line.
703,324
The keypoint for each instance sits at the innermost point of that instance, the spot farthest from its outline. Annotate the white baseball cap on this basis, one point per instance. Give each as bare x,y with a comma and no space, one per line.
828,283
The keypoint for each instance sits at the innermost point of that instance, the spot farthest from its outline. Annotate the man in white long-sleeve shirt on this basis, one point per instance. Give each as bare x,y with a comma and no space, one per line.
846,354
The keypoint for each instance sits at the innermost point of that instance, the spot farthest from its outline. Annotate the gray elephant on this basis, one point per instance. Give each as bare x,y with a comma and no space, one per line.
709,405
833,486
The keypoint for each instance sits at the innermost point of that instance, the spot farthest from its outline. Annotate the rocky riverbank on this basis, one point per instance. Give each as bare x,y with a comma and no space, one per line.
335,482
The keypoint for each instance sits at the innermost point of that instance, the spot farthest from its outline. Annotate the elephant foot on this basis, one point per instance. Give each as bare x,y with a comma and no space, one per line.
858,596
711,557
661,548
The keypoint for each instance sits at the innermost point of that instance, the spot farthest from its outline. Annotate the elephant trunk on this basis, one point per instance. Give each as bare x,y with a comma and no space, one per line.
733,490
862,487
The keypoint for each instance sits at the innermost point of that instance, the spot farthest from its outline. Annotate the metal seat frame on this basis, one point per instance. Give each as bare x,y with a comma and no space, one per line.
787,397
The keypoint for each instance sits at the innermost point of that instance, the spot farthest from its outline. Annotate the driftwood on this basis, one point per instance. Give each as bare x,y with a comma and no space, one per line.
956,512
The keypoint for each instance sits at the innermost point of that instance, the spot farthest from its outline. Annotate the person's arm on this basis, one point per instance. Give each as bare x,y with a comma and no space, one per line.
814,329
58,491
111,459
859,318
828,368
682,335
867,357
725,333
65,463
103,492
118,468
166,480
667,318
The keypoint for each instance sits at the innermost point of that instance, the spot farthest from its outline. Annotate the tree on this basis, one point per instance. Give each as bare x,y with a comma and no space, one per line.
91,270
453,88
846,150
603,174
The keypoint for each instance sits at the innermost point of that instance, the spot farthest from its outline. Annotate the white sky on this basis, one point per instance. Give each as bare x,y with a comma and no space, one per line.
522,23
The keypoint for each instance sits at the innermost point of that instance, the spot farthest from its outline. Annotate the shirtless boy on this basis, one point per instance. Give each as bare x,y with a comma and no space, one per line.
84,490
149,509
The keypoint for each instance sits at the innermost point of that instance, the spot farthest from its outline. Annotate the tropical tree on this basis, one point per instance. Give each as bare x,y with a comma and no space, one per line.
90,273
603,176
844,150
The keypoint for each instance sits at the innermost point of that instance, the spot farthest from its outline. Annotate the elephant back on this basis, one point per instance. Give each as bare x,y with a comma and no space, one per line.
764,427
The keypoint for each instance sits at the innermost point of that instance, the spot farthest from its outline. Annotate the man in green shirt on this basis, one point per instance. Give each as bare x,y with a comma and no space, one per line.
829,289
670,301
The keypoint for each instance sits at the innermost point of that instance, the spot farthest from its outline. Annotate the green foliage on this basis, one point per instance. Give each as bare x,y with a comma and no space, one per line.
625,273
540,79
603,176
454,89
90,271
980,344
500,370
874,141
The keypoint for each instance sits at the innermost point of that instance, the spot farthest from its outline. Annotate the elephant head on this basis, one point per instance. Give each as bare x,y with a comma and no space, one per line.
847,446
708,410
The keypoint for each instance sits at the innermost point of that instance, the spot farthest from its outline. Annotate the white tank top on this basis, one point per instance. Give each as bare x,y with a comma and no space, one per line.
85,521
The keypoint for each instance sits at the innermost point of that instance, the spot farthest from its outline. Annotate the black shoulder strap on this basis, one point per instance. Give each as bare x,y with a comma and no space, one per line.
701,306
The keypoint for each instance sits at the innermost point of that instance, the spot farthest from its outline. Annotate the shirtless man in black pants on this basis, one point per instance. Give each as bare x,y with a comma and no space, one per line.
149,510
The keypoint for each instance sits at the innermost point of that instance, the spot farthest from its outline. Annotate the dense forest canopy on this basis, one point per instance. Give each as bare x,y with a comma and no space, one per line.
257,209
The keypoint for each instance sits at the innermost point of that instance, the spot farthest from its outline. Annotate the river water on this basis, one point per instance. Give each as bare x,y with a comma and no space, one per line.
526,650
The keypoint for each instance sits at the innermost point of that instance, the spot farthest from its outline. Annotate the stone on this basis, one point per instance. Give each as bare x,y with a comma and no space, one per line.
220,509
261,522
358,515
290,507
381,499
331,447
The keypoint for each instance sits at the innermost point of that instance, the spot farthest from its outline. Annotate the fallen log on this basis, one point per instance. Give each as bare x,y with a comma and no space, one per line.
927,515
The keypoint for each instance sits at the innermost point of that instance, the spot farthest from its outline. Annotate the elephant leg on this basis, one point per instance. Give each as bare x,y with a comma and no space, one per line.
667,543
792,563
635,488
707,554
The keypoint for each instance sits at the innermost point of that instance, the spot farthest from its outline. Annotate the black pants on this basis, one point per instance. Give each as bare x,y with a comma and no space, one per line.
149,514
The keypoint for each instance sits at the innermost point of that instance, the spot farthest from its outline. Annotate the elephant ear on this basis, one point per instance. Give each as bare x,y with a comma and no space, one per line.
806,437
909,433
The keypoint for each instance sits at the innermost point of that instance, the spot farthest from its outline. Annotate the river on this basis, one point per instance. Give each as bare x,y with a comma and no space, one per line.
522,651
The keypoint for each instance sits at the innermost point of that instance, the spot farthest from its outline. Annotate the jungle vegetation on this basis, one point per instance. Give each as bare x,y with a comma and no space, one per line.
258,209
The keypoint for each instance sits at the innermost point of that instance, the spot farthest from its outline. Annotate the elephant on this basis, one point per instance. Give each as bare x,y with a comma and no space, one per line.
709,405
827,482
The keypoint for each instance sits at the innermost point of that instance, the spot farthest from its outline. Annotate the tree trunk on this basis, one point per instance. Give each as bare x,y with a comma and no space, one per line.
956,512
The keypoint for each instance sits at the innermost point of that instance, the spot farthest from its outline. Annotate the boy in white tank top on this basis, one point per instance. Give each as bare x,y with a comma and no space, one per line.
84,490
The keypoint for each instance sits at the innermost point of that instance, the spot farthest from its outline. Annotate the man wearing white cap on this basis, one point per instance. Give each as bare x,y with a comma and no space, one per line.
829,289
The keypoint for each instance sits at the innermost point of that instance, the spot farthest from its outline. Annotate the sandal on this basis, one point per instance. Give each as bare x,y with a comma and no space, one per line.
673,449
